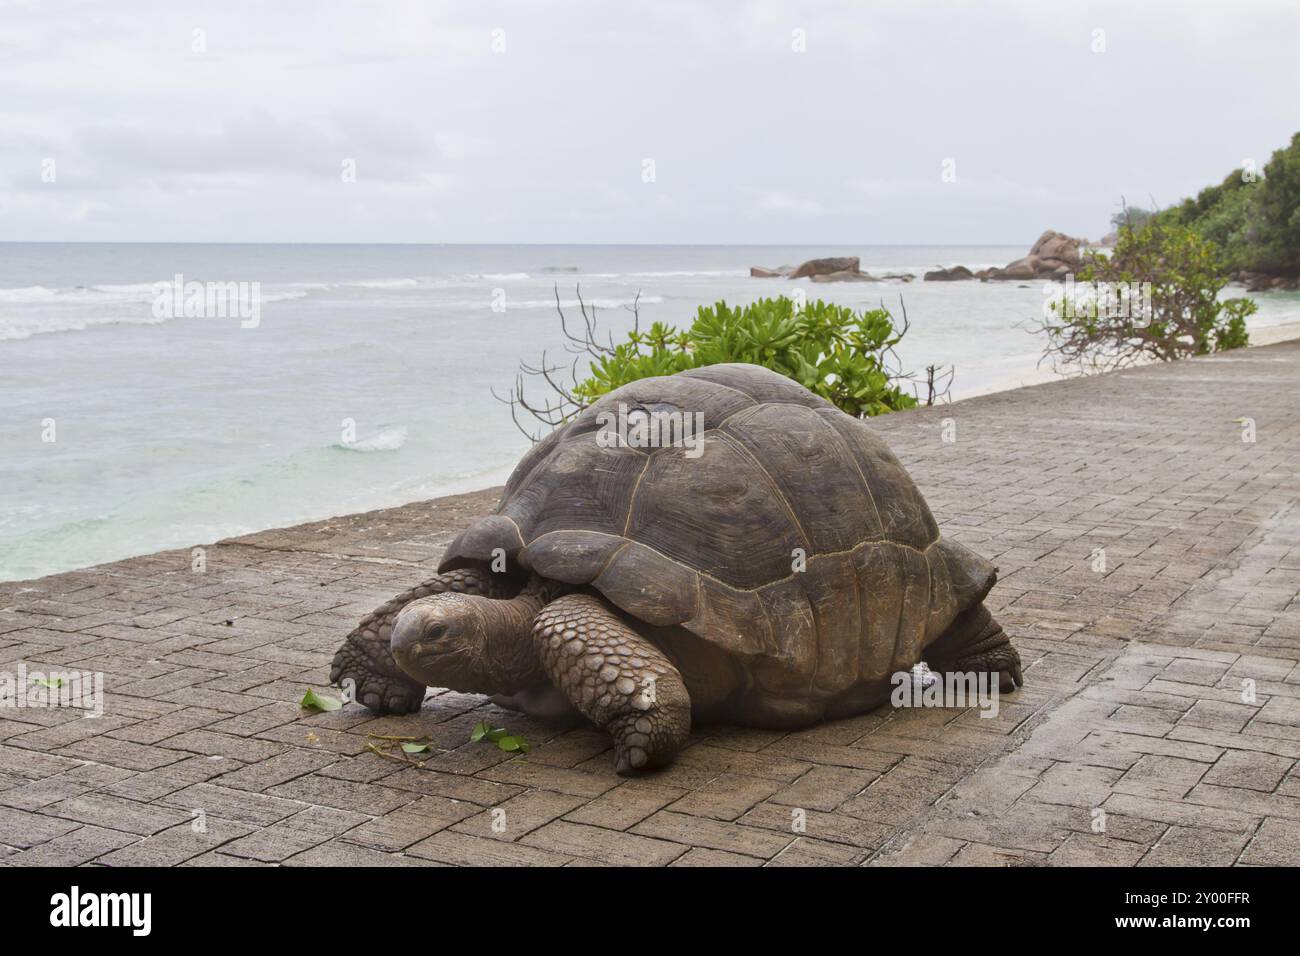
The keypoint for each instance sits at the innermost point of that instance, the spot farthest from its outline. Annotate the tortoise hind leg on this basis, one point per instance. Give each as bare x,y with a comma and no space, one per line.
365,658
976,643
615,677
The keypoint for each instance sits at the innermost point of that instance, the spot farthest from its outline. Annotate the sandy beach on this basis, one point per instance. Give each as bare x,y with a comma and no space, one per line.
1270,335
1262,335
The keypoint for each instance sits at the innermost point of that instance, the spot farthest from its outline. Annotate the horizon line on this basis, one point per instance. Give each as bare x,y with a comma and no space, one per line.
295,242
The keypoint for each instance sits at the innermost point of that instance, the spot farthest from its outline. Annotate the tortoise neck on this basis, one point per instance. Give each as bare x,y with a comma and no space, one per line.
508,652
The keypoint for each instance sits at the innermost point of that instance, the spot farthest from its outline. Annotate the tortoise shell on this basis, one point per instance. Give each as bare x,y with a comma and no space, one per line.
790,533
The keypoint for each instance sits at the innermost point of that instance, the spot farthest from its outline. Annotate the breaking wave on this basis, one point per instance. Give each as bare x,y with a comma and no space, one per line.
386,439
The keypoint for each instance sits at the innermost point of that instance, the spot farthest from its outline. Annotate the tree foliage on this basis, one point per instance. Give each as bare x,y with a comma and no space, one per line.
1254,219
1130,217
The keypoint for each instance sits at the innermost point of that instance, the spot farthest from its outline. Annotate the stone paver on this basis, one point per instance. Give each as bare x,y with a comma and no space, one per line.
1149,565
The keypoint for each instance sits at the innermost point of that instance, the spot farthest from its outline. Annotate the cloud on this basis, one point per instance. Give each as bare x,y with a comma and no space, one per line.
258,142
960,188
542,142
782,202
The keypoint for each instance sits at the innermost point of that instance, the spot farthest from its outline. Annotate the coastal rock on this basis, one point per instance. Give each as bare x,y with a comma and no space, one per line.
1263,281
1056,248
1054,256
821,267
949,275
837,269
1024,268
845,276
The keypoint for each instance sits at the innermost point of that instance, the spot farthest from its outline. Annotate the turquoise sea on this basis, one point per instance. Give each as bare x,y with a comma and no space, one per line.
367,379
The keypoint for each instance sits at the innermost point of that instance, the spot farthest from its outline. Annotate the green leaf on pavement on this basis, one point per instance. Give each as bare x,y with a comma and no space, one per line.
314,701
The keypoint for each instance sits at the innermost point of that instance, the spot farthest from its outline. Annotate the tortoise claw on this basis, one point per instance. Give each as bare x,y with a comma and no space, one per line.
383,690
1009,680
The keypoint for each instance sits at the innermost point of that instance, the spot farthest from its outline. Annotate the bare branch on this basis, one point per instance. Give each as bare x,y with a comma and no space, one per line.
562,401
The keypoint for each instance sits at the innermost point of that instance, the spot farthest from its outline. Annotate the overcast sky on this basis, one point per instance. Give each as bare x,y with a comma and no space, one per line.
456,139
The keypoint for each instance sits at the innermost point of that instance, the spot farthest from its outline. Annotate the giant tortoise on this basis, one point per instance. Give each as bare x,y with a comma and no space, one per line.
778,570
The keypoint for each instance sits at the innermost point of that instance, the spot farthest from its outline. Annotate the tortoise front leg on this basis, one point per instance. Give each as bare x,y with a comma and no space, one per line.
365,658
617,678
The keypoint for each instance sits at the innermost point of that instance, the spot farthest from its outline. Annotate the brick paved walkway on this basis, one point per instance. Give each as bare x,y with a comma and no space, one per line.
1135,721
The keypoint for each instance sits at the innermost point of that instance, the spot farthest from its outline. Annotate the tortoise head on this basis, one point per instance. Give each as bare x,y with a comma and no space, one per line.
467,643
439,640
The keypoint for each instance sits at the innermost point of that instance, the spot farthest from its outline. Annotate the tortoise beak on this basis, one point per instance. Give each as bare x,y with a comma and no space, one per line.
416,635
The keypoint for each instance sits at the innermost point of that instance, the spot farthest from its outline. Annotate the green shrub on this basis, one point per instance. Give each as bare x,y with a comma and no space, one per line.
831,350
1174,276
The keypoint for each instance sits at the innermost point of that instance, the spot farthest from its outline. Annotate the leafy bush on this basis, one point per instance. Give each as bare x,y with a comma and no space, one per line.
1165,280
844,356
829,349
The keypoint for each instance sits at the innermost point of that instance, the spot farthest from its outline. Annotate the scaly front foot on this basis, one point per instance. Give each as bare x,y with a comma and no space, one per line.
617,678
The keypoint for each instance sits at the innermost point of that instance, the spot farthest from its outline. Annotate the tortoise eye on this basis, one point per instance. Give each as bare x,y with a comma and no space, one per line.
436,631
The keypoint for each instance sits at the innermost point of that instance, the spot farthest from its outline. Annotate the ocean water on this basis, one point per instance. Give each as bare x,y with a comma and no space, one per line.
367,381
